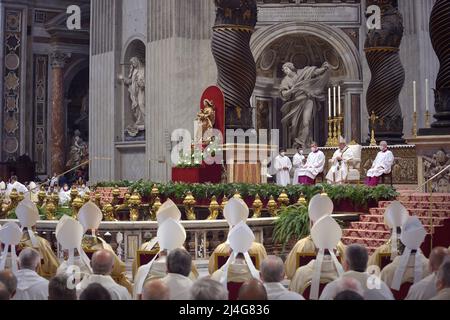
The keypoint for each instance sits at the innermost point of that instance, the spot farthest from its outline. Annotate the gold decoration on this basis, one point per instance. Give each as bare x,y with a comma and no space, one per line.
155,207
20,197
133,203
115,194
414,128
224,203
427,119
108,212
283,199
98,199
272,207
14,198
373,119
237,195
213,209
50,210
55,199
73,194
257,207
301,200
87,197
41,196
330,133
189,203
77,203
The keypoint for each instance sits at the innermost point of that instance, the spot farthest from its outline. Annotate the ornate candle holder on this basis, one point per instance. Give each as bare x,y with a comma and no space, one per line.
257,207
330,133
373,119
414,128
213,209
340,119
189,203
272,207
335,133
427,119
283,199
134,203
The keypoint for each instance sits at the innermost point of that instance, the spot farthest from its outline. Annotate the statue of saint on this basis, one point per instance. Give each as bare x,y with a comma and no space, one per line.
206,119
302,90
78,151
136,88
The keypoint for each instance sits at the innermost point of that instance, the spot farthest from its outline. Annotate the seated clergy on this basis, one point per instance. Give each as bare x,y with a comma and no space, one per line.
239,266
171,235
33,191
272,274
102,264
64,195
168,210
28,215
319,206
426,288
411,266
395,216
313,167
382,165
298,162
326,234
90,217
355,265
339,163
283,166
179,266
443,281
235,211
14,184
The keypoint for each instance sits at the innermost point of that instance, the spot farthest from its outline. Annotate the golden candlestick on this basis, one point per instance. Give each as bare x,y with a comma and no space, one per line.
133,203
272,207
339,121
330,133
257,206
373,119
414,128
335,136
213,209
427,119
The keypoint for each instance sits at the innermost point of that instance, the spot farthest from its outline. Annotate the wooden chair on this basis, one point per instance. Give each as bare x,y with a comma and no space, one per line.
144,256
386,176
221,258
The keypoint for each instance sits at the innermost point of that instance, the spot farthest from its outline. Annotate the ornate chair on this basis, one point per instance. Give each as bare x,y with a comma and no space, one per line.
221,258
143,256
307,289
354,166
303,258
384,259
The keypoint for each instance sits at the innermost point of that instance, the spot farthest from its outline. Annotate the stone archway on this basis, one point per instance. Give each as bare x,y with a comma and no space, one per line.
305,44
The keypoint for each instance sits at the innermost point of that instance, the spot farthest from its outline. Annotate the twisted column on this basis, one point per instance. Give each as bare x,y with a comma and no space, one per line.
440,39
235,21
388,75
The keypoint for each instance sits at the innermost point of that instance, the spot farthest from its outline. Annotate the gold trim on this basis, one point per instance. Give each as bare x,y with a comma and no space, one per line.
226,255
308,284
382,255
153,252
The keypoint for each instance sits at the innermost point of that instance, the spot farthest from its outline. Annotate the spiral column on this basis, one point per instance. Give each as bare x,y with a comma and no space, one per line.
440,38
234,25
388,75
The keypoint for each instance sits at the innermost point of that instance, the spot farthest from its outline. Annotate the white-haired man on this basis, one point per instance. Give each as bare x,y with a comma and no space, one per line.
339,168
30,285
208,289
443,282
382,165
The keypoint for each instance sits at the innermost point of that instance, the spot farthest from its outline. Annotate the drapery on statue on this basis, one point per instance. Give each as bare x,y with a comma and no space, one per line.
79,151
136,88
206,119
302,90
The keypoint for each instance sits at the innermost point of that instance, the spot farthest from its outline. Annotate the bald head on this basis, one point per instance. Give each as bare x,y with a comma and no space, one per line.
272,269
155,290
102,262
8,279
252,290
4,293
29,259
437,256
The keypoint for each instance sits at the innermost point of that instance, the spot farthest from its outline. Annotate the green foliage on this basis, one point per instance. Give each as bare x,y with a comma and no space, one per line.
292,223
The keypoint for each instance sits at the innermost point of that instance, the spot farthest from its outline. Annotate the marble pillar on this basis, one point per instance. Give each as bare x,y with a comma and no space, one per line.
234,25
58,60
388,75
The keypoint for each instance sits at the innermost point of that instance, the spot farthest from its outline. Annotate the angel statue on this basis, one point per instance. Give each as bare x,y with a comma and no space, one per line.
206,119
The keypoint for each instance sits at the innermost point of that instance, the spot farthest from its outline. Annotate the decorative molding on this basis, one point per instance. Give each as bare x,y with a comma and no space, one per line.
58,59
40,112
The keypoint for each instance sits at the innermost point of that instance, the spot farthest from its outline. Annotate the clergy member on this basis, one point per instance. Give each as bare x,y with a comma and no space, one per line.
298,162
28,215
235,211
411,266
179,266
30,285
14,184
443,282
382,165
326,233
339,168
90,217
64,195
283,166
314,166
319,207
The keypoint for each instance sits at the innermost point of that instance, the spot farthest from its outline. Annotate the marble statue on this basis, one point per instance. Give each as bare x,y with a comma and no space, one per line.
136,89
78,151
302,90
433,166
206,119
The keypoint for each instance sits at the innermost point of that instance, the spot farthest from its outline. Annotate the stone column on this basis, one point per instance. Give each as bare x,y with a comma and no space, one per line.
439,33
234,25
58,60
388,74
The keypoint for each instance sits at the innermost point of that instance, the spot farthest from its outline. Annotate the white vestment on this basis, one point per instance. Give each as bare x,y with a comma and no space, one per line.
425,289
276,291
388,272
116,291
179,286
64,197
283,176
339,169
20,188
83,269
314,165
238,271
298,164
382,164
30,286
374,293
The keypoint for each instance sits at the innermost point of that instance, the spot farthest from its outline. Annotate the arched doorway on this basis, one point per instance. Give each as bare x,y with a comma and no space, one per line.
304,44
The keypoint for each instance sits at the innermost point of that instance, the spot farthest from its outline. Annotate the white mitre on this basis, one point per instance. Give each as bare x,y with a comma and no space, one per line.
319,206
395,216
90,216
10,236
241,238
326,234
413,235
28,214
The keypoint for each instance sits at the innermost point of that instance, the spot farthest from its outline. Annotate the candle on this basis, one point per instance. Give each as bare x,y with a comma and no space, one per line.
339,100
414,96
427,89
329,103
334,101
